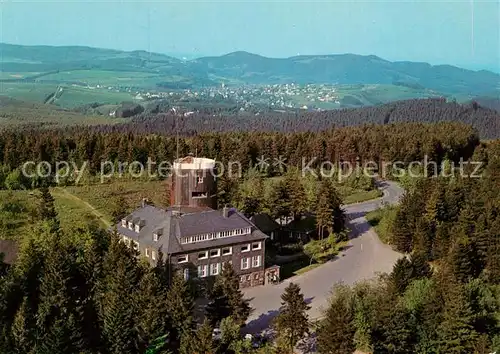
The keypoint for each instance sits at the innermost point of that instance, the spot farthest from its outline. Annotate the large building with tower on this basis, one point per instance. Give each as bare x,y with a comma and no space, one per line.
194,237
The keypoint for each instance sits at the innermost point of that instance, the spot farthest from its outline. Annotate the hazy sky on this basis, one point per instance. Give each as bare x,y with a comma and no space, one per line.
464,33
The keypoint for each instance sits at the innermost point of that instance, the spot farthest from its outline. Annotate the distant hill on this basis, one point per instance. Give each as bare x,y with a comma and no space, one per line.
246,68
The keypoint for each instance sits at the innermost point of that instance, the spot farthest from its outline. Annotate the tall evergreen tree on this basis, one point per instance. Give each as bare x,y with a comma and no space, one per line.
292,322
227,299
335,334
180,306
456,335
118,311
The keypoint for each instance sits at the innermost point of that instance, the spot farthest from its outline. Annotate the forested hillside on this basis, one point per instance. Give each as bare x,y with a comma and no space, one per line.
404,142
485,120
450,305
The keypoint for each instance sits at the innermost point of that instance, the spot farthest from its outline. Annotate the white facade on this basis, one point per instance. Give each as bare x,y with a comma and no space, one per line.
195,163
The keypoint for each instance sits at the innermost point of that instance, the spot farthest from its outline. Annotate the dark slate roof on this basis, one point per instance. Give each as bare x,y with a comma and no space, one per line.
174,226
9,249
265,222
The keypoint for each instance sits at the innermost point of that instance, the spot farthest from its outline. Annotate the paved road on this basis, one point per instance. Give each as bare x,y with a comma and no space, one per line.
364,258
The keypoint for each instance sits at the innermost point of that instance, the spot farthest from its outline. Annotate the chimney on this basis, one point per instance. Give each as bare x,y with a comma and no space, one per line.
144,202
225,211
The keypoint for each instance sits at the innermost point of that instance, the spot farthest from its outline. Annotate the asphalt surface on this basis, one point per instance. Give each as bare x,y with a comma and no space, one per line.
364,258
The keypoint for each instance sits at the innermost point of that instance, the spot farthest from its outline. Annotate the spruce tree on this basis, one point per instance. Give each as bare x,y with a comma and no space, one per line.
336,331
180,305
203,340
153,320
118,310
292,322
401,275
456,334
227,298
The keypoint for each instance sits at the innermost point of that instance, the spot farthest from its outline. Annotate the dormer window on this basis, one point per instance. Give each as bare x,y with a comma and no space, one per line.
130,225
157,234
137,228
124,223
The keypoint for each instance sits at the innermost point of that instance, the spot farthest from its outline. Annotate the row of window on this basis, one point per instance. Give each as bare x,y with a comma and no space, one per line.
131,226
226,251
215,235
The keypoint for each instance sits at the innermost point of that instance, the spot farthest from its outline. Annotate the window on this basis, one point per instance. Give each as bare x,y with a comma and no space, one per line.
227,251
256,261
146,251
256,246
186,273
256,276
182,259
155,237
245,263
272,235
130,225
245,248
136,245
153,255
203,255
198,195
137,228
124,223
214,268
214,253
126,240
199,179
202,271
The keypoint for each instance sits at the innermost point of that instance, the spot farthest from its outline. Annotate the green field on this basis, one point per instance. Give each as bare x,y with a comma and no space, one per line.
16,113
104,78
77,205
71,96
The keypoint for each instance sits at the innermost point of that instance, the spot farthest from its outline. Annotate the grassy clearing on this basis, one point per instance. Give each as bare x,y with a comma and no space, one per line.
103,197
382,221
77,205
358,196
15,113
73,96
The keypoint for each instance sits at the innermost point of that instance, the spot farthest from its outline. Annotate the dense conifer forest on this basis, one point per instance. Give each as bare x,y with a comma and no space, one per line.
485,120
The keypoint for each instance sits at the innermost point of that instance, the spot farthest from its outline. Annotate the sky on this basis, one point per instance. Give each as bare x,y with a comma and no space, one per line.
463,33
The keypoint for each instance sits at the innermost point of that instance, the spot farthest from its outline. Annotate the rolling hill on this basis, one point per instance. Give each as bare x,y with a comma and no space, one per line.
41,64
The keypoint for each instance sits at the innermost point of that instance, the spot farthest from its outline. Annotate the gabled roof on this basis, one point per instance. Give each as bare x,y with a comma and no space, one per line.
173,226
265,222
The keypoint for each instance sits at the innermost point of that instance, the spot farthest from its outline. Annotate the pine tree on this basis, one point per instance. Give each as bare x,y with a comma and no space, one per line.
153,320
420,266
227,298
46,208
336,332
401,275
117,309
292,321
203,341
180,305
60,310
394,331
456,335
463,260
298,198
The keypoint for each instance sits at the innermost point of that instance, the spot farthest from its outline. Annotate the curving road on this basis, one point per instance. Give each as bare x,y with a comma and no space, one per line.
365,256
